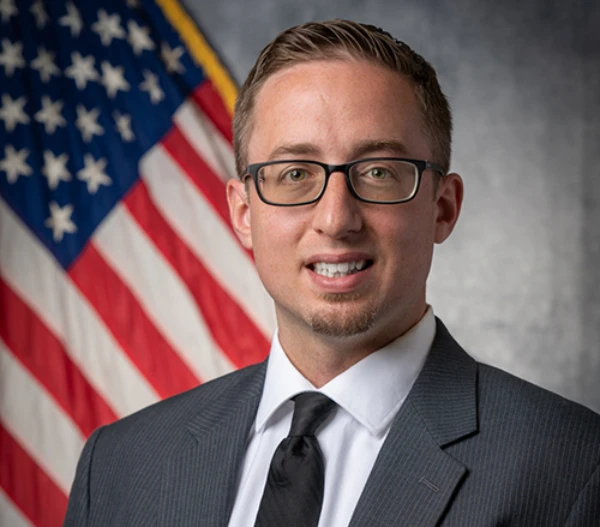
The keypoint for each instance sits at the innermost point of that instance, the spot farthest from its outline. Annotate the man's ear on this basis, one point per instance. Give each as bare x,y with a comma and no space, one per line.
449,197
239,211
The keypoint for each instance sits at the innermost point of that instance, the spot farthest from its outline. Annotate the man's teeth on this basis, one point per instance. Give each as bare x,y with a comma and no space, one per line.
338,269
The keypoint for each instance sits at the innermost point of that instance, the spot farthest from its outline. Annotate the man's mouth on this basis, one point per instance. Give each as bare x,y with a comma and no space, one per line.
336,270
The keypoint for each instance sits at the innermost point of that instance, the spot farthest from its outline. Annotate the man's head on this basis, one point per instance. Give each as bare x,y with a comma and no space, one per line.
344,39
345,274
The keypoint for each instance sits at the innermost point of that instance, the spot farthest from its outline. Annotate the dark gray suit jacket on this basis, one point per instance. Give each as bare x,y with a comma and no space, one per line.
471,447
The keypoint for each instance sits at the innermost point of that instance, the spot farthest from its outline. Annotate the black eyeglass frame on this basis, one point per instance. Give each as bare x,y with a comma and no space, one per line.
422,165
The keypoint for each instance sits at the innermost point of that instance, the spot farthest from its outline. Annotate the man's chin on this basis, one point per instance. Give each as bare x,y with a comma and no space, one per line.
342,324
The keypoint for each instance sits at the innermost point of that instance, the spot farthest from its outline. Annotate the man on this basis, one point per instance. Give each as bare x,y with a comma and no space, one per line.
342,140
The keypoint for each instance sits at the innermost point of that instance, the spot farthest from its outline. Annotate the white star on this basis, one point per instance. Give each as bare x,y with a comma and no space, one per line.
133,3
11,57
151,86
113,80
171,58
139,38
60,221
14,163
72,20
7,9
87,123
93,173
81,70
55,169
123,126
50,115
44,64
108,27
12,112
39,12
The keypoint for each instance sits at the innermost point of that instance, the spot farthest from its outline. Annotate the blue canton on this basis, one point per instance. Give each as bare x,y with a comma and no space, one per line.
86,89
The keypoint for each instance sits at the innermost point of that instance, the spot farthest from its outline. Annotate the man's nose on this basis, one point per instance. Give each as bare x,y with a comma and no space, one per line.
338,213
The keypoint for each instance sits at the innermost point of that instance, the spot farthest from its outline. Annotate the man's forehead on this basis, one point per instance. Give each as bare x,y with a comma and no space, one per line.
335,109
307,83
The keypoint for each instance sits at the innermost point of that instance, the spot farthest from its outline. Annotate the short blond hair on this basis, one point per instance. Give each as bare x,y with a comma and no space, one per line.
343,39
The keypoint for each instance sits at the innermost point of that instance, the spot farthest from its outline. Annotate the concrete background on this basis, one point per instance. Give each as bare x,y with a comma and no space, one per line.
518,282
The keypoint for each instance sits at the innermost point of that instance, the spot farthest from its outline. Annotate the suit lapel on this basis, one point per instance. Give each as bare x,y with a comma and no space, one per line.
413,479
200,479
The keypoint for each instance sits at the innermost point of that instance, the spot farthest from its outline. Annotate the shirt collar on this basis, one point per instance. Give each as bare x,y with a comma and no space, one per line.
372,390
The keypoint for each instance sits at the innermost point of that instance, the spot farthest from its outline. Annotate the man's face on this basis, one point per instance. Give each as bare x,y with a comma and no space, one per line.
335,112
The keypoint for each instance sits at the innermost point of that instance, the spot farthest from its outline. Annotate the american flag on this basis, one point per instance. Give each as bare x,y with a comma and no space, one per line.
121,280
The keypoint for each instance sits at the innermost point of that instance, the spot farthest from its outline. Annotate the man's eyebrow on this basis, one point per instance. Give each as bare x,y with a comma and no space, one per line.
370,147
297,149
362,149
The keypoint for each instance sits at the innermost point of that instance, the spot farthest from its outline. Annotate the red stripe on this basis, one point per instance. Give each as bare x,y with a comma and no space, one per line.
211,104
38,349
128,322
199,173
28,486
229,325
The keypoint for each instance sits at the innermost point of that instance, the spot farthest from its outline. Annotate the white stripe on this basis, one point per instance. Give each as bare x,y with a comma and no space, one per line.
34,274
10,516
40,426
204,137
196,222
163,296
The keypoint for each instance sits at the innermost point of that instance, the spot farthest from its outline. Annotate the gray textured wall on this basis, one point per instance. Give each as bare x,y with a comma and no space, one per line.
518,281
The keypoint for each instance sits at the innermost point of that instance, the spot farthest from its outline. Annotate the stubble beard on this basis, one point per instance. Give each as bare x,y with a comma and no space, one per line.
339,323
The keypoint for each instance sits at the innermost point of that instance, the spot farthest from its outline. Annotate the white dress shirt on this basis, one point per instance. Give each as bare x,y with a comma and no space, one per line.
369,394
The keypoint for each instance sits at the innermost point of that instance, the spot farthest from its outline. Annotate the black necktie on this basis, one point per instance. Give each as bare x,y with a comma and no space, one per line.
293,494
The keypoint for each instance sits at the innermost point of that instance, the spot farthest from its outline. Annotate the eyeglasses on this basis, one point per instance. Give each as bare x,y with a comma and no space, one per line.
385,180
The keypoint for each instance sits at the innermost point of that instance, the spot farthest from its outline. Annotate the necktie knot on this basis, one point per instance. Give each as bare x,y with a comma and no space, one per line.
310,410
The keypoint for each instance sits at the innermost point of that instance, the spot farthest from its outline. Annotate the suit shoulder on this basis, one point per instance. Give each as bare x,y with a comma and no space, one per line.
165,415
506,396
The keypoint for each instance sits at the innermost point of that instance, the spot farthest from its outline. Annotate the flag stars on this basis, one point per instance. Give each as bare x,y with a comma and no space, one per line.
72,20
81,70
14,163
133,4
44,64
108,27
93,173
123,126
60,221
171,58
50,114
113,79
139,38
12,113
55,169
87,122
38,11
11,57
7,9
152,87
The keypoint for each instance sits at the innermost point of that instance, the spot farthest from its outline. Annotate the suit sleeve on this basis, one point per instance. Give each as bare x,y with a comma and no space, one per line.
78,509
586,509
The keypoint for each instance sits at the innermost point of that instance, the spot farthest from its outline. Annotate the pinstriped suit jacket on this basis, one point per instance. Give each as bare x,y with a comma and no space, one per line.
471,447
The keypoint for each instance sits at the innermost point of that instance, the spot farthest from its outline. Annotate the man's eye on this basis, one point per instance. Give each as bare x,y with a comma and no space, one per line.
295,175
377,173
